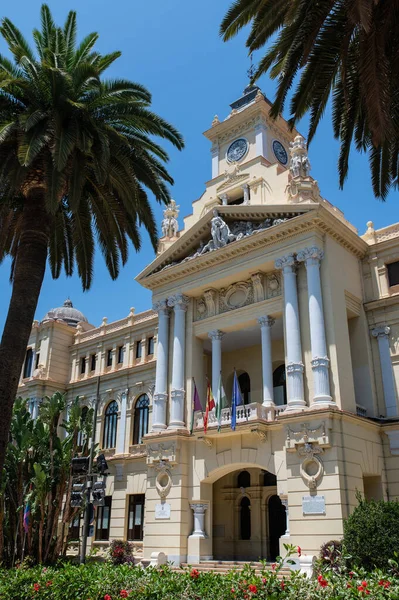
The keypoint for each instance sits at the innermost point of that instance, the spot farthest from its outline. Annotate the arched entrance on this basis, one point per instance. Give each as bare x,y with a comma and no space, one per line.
277,524
241,527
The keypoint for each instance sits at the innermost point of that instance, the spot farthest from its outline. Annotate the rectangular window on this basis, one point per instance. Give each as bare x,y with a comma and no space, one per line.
150,345
393,273
37,361
83,365
28,363
138,349
121,354
74,528
93,359
109,358
103,519
135,517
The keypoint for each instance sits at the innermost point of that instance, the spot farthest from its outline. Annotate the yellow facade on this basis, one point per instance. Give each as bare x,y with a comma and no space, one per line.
264,273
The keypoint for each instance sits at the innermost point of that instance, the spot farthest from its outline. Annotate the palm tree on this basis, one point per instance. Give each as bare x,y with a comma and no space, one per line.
77,157
346,49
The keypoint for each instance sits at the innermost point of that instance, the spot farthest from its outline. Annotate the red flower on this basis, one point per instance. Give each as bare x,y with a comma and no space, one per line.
299,551
384,583
264,580
364,584
123,594
282,585
274,565
348,585
233,591
323,582
36,587
252,588
194,574
107,597
49,583
351,574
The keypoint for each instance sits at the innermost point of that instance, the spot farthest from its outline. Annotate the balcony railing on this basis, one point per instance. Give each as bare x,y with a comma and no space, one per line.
244,414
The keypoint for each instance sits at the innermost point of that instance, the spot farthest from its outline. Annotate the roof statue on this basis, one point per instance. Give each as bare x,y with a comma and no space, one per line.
299,163
170,224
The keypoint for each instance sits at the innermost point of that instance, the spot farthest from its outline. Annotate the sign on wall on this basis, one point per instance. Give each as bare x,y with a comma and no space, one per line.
313,505
162,511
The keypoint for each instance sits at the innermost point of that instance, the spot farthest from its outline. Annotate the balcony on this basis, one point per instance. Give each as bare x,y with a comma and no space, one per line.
245,414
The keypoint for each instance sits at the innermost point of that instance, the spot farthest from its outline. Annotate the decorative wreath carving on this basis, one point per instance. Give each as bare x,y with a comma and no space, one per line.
163,481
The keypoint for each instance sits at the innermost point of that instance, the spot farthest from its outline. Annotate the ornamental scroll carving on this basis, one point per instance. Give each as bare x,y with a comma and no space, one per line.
309,442
261,286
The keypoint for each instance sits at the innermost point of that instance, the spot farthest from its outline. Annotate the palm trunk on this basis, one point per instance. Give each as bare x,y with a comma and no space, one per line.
30,266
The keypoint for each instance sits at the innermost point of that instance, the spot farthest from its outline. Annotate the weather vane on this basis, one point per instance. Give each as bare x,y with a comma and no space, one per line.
252,69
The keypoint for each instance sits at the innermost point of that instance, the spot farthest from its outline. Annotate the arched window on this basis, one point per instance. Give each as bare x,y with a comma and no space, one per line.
244,480
245,519
110,425
245,387
28,363
83,416
269,479
141,411
279,386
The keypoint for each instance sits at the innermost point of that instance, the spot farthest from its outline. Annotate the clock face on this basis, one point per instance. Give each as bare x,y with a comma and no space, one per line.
237,150
280,152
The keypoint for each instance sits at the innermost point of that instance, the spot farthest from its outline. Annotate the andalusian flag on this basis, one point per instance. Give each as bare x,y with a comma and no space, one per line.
221,402
210,404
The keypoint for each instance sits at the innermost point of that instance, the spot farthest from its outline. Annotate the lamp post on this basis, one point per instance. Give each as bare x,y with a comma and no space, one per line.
89,480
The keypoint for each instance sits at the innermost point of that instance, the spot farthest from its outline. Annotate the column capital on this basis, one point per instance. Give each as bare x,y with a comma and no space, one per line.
216,334
286,263
381,331
266,321
161,306
198,507
215,150
312,255
179,302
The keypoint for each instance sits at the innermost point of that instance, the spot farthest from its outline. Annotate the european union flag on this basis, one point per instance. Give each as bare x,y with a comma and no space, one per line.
235,401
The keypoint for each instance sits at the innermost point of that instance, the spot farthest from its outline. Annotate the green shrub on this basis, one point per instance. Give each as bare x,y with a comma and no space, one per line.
371,533
121,552
331,556
105,581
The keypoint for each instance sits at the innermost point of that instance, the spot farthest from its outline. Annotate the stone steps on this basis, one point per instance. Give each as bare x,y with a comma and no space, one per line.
224,566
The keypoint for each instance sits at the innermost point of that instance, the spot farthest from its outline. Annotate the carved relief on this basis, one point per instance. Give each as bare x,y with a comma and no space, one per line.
222,234
242,293
158,453
163,481
236,295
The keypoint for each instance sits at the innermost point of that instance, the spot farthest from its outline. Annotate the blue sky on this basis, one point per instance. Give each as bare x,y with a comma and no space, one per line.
173,48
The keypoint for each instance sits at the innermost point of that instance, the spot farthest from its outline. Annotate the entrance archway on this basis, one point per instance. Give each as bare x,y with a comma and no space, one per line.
277,524
240,517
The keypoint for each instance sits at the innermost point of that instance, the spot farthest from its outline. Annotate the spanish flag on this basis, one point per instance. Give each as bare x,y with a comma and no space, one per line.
210,404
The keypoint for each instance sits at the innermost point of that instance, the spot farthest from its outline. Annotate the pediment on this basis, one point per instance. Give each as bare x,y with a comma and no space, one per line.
221,228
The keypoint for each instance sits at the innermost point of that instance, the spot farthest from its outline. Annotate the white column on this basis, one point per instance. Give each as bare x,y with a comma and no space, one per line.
216,337
215,161
320,362
266,323
261,140
294,366
179,304
388,381
120,442
199,519
284,502
246,194
35,408
161,371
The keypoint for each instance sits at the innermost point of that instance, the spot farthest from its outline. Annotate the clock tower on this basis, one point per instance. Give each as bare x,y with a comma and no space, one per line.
249,132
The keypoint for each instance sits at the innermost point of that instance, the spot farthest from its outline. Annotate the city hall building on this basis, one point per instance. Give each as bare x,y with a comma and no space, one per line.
267,279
